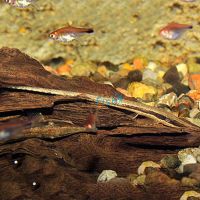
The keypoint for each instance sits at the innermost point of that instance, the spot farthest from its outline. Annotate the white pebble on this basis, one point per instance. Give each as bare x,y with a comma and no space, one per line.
106,175
182,68
152,66
189,159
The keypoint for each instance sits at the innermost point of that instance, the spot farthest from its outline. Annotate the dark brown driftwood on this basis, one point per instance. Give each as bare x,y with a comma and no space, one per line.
19,69
62,156
69,168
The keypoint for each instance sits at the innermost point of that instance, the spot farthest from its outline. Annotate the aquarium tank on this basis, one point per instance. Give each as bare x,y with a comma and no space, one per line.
100,99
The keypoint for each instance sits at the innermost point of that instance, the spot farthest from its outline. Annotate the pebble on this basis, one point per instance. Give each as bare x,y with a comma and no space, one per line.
182,69
139,63
179,89
185,104
151,82
189,159
152,66
167,100
135,76
106,175
140,90
188,194
182,154
183,110
146,164
170,161
172,76
188,156
149,74
64,69
194,81
160,75
194,94
186,100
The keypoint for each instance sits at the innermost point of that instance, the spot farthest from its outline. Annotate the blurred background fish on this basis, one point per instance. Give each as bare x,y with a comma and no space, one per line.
19,3
10,128
174,30
67,34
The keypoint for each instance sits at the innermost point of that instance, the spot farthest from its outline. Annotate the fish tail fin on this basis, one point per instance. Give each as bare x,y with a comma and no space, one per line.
89,30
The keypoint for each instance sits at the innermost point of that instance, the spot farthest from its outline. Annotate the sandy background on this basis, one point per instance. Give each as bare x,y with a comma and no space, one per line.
123,29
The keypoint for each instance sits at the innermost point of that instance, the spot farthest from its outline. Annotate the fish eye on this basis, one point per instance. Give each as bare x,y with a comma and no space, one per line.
51,35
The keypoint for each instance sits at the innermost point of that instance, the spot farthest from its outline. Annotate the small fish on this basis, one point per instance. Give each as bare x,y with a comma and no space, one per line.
174,30
14,126
67,34
8,129
19,3
91,121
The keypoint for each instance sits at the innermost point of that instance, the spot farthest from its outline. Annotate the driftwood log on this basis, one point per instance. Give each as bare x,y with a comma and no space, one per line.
62,156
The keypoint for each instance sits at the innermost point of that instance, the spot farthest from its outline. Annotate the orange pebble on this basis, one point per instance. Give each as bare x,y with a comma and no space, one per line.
139,63
194,81
194,94
63,69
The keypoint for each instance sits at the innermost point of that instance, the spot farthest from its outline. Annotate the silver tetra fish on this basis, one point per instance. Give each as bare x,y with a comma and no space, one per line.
67,34
174,30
